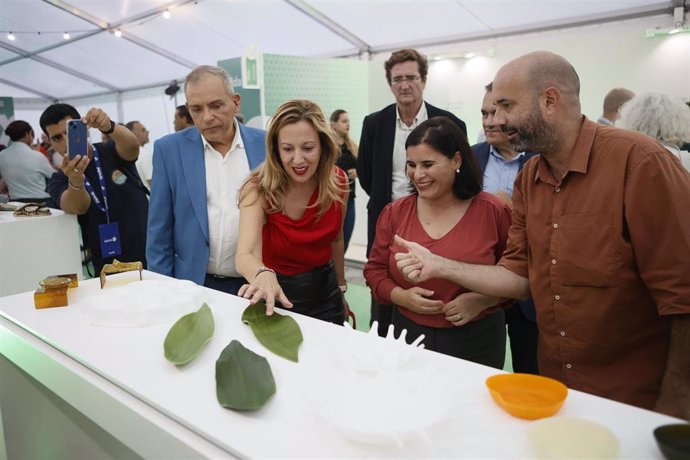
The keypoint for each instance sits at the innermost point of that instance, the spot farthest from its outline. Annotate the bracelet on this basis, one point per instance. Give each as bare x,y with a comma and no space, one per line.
74,187
343,288
264,269
109,130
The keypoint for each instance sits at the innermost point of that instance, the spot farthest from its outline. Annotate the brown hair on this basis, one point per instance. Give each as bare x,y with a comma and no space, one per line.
404,55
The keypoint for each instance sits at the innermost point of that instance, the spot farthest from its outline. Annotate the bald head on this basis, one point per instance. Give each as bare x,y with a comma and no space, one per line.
537,99
540,70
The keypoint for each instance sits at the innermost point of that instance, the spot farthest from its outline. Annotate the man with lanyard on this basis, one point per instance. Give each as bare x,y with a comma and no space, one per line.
102,188
500,164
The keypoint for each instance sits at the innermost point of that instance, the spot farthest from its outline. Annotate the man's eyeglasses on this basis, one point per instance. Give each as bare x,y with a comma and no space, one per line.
410,78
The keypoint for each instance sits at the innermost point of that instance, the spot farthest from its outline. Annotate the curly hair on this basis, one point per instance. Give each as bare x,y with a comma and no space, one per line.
270,180
658,115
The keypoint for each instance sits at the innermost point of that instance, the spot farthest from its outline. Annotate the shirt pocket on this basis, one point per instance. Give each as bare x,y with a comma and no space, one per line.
585,250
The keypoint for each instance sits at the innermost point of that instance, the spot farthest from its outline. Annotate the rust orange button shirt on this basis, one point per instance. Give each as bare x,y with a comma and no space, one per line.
607,253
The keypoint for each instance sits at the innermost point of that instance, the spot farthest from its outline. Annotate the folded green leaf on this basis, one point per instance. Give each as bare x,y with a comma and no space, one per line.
188,335
279,333
244,380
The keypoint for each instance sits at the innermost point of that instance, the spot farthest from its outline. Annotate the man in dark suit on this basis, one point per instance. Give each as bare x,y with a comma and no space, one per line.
382,157
500,165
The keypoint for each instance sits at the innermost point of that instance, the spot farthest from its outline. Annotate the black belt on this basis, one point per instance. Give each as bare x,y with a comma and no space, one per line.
222,278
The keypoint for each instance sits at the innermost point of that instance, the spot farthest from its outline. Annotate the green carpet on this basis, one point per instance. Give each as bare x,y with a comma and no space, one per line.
359,299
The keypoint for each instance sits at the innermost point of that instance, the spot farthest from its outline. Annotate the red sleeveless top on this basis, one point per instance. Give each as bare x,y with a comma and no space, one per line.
296,246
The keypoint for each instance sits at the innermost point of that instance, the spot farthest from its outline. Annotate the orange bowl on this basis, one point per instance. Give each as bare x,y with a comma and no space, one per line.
527,396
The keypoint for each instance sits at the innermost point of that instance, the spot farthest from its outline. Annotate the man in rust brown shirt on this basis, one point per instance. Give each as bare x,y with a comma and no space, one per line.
601,238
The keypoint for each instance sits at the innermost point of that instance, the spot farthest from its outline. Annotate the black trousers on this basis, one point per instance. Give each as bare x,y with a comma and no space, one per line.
524,336
383,314
315,293
228,284
482,341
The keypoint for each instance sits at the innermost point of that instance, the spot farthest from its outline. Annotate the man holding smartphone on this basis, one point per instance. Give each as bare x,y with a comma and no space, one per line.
102,186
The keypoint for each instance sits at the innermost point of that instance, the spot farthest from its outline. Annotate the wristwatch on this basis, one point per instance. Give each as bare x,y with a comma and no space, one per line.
111,129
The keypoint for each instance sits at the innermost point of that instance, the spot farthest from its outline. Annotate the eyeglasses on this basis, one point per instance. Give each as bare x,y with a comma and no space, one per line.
410,78
31,210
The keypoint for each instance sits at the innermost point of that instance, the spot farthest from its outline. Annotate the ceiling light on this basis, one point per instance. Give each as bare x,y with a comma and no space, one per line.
11,37
66,35
118,33
166,14
469,55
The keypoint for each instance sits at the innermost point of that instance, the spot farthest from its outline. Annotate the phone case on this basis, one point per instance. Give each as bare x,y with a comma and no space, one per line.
76,138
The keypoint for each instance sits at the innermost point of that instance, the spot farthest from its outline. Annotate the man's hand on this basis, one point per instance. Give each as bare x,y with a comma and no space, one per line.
74,169
97,118
418,264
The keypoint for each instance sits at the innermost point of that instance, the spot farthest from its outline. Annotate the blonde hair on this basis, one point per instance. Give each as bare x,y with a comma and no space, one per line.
270,181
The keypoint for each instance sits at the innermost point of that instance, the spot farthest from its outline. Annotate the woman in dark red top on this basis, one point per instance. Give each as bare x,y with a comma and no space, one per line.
290,244
449,214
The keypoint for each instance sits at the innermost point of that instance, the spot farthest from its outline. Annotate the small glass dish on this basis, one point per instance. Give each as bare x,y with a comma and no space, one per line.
55,282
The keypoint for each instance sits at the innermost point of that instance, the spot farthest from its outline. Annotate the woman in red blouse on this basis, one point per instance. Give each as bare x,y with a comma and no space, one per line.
448,213
292,207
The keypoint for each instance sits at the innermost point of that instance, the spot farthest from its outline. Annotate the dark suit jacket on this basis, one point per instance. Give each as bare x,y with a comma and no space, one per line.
375,159
481,151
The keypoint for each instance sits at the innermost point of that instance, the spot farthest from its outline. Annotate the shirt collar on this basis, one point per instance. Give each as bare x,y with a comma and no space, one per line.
236,141
495,153
421,115
579,159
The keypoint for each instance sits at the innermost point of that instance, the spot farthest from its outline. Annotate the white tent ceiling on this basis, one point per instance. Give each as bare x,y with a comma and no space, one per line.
153,50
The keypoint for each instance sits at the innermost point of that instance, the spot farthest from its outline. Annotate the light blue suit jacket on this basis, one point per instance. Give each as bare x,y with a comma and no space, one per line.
177,236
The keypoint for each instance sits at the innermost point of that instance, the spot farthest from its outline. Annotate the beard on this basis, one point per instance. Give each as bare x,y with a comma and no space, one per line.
532,134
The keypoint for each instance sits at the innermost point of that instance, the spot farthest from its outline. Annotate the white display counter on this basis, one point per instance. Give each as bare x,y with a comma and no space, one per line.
32,248
119,379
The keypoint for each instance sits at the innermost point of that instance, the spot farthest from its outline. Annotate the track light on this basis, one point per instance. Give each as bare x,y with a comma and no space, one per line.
118,33
66,35
166,14
11,37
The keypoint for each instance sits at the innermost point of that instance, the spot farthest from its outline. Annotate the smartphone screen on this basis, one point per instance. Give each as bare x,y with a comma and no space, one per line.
76,138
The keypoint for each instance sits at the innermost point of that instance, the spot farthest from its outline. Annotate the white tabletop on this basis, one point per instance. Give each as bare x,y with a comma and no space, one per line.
131,362
32,248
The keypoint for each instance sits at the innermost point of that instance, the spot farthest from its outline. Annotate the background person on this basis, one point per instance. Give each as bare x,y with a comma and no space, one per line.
449,214
660,116
500,165
381,158
347,161
194,219
291,218
102,188
613,102
25,170
183,119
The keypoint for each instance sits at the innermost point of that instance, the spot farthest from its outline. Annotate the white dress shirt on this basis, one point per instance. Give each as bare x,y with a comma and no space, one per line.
224,177
401,185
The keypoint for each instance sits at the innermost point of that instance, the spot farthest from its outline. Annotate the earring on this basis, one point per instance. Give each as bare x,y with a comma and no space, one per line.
457,171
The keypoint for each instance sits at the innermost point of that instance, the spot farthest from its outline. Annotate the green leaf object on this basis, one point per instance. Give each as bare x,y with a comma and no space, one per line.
244,380
279,333
188,335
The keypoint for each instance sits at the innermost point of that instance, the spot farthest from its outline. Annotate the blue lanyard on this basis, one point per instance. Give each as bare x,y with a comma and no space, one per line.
101,181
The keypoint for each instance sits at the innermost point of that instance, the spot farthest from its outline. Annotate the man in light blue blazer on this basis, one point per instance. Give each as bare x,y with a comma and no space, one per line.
193,218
